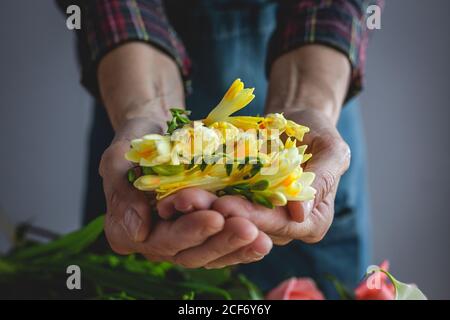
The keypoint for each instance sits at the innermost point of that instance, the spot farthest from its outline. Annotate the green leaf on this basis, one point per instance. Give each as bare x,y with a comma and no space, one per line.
262,200
188,296
67,245
260,185
241,186
229,168
179,119
203,166
241,166
6,267
253,291
183,120
172,125
343,292
255,169
148,171
180,111
131,175
212,277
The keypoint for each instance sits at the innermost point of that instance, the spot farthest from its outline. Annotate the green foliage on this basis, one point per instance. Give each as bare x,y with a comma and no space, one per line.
167,169
39,271
180,117
252,192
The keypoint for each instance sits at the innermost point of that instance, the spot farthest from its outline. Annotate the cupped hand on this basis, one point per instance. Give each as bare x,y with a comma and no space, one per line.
306,221
201,238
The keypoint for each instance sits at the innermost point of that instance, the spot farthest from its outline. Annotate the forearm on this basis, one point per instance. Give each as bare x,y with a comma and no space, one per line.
311,77
138,82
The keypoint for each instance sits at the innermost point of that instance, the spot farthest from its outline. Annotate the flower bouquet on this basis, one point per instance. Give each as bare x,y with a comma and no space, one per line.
258,158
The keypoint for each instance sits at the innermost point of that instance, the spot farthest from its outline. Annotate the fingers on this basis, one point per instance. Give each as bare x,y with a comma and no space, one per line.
316,227
237,233
185,201
255,251
267,220
299,211
170,237
125,205
331,159
277,222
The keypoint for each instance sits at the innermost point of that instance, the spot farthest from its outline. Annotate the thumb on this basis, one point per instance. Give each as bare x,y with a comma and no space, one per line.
126,206
331,158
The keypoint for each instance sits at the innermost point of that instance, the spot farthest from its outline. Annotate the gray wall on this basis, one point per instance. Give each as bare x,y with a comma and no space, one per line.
406,109
406,114
44,117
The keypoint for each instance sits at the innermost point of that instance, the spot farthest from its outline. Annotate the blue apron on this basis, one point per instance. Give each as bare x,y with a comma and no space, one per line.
226,40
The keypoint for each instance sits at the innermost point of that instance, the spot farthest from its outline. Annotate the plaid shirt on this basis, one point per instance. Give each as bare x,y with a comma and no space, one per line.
110,23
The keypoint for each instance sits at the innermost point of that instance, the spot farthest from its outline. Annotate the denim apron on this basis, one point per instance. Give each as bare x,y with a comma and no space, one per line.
226,40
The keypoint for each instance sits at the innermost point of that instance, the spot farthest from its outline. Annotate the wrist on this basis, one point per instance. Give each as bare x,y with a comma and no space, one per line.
137,127
312,77
155,113
138,81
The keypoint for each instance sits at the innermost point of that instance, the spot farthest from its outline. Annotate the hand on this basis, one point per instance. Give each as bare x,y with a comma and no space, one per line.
308,221
240,241
202,238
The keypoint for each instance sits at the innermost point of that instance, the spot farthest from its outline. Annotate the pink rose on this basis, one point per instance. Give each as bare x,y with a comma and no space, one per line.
376,286
296,289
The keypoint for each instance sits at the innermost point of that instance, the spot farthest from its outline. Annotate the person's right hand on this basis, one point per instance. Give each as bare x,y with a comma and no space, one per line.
191,240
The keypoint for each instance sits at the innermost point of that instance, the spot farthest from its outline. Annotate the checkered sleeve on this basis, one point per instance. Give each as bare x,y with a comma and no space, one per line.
106,24
340,24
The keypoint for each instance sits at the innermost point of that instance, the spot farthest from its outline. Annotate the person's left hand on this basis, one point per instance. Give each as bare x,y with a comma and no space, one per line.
306,221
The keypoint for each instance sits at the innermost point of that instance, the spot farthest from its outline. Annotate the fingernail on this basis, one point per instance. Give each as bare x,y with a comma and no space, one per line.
254,255
132,223
185,209
258,255
307,208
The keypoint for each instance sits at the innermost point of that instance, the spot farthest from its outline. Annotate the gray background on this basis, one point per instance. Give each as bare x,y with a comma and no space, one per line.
406,111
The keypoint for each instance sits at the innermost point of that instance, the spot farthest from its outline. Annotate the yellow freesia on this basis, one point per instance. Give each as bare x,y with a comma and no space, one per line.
225,130
234,100
245,122
193,141
150,150
295,130
257,164
274,121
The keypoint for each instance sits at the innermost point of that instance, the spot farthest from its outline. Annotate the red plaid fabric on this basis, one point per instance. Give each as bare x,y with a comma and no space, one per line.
340,24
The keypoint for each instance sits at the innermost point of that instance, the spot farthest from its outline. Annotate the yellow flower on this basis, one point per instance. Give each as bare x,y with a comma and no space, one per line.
274,121
225,130
289,178
295,130
258,164
234,100
193,141
245,122
247,145
306,156
150,150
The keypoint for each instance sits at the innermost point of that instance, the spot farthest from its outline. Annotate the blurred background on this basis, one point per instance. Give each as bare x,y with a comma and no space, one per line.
45,117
